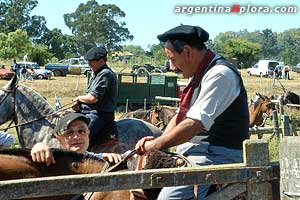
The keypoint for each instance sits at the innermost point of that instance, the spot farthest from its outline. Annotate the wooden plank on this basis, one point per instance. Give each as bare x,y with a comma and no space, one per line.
256,153
228,192
231,173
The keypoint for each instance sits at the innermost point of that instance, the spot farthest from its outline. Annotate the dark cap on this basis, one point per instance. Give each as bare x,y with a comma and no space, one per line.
95,53
64,122
185,33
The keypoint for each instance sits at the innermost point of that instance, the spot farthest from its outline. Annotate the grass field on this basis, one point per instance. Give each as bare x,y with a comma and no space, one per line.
66,88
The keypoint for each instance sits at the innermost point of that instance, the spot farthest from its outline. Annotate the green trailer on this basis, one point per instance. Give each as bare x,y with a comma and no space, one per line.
138,92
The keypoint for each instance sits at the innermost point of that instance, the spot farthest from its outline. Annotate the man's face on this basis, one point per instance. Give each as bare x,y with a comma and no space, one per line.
178,60
76,137
95,64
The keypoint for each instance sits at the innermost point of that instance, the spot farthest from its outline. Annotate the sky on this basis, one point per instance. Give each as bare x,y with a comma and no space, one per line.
147,19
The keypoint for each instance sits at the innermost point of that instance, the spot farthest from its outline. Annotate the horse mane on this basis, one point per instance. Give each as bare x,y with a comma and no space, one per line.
25,152
35,96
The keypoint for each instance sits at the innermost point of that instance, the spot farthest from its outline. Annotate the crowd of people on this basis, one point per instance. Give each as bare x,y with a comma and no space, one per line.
24,73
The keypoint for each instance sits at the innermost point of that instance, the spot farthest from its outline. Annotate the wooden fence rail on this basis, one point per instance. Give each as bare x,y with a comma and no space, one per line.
255,174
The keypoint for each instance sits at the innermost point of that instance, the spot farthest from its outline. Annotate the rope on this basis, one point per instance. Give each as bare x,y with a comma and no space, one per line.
67,106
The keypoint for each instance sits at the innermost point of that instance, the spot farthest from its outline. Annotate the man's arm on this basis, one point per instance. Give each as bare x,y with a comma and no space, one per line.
182,133
171,124
41,153
87,99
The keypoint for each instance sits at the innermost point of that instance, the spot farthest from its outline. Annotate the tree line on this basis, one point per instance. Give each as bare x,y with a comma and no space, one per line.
93,24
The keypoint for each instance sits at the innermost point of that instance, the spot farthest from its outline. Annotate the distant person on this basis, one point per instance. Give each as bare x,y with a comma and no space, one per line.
3,66
23,72
286,70
277,71
15,66
29,74
6,140
99,101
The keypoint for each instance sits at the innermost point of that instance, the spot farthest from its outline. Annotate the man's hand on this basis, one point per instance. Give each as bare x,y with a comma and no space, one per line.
144,145
76,104
41,153
111,157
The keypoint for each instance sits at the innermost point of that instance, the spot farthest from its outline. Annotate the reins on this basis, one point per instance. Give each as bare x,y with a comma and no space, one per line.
65,107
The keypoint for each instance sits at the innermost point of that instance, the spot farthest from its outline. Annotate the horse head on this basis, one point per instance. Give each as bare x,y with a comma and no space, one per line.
6,100
290,97
26,108
262,104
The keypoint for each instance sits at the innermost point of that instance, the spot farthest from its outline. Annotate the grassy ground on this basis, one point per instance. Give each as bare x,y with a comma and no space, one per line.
66,88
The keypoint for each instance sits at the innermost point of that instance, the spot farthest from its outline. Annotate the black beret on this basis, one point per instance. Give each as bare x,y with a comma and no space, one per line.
64,122
95,53
185,33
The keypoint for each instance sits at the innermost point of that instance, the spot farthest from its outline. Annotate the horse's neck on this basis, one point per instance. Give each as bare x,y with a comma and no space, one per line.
29,106
254,114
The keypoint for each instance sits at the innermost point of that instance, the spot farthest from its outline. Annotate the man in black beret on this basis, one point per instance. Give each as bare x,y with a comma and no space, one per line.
99,101
213,120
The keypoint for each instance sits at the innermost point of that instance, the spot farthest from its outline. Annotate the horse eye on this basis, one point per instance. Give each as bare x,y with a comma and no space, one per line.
75,165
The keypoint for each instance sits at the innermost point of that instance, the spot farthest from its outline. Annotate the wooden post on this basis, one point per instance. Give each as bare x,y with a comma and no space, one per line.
289,168
256,153
276,124
286,126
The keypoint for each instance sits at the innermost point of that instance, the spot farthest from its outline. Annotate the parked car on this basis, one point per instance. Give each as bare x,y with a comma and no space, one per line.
296,68
38,72
263,68
74,66
6,73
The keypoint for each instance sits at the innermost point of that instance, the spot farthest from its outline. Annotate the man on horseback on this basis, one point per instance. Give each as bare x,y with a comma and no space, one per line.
99,101
72,134
213,119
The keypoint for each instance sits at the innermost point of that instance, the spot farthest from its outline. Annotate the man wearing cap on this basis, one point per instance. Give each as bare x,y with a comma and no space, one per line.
99,101
212,120
72,134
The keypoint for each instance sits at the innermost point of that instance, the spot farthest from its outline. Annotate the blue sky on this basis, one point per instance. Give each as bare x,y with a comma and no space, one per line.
146,19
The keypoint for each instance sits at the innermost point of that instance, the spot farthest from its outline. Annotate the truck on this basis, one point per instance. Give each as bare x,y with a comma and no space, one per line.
263,68
73,66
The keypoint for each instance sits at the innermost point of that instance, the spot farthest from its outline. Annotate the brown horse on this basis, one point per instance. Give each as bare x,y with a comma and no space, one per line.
17,164
262,104
159,116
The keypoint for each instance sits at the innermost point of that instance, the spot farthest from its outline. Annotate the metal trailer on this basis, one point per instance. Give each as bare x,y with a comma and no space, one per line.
139,92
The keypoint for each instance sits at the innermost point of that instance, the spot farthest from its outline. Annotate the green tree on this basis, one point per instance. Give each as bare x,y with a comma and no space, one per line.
60,45
269,44
40,54
93,24
15,14
289,46
134,49
14,44
245,51
158,53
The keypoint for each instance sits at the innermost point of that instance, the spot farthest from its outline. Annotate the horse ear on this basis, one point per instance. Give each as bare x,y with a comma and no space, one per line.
13,82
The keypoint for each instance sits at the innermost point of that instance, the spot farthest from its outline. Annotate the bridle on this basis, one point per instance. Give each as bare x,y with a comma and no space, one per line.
13,92
8,92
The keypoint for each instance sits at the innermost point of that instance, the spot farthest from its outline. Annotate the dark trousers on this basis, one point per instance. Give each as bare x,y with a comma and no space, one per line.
102,127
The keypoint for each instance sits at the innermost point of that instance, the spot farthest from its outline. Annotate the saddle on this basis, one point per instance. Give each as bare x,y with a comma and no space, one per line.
154,160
